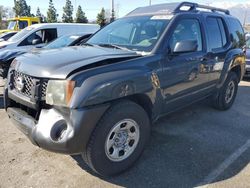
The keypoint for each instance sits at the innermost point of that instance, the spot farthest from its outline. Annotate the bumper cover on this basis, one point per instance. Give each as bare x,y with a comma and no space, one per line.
247,73
78,126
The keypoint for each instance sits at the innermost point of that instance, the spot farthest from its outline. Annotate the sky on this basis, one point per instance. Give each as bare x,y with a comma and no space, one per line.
122,7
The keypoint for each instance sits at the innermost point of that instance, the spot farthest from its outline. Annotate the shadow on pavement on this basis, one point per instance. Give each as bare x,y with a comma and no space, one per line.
1,93
188,145
1,101
246,79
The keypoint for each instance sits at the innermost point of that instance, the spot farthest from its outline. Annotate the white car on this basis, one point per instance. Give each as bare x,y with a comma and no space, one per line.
40,34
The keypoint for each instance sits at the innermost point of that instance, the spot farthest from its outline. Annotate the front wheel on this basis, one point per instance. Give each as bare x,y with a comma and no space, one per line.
226,95
118,139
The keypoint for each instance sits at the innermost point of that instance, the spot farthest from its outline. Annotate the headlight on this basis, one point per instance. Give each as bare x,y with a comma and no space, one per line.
59,92
1,47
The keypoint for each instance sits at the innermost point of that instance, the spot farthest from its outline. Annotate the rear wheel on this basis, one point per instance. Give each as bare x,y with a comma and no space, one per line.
118,139
226,95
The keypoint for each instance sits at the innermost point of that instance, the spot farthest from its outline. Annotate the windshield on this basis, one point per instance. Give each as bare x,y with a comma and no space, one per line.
20,34
12,25
133,33
62,41
22,24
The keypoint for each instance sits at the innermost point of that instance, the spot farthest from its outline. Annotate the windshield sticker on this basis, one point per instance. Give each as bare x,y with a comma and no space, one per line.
162,17
74,37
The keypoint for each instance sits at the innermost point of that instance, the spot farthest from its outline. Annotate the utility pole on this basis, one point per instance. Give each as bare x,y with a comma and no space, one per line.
112,11
149,2
245,17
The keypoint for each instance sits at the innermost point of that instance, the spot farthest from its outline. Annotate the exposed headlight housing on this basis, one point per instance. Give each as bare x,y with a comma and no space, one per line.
4,46
59,92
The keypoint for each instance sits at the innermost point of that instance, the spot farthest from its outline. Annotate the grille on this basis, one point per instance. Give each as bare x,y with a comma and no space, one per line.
26,85
44,87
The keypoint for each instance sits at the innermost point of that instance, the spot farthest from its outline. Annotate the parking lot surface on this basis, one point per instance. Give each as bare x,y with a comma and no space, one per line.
194,147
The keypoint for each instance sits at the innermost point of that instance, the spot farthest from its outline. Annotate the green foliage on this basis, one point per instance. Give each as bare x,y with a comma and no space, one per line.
101,20
51,13
1,13
5,12
40,15
67,12
21,8
112,16
38,12
1,16
80,16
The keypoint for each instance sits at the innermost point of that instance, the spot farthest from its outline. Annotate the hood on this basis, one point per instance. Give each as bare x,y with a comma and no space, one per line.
7,55
59,63
5,44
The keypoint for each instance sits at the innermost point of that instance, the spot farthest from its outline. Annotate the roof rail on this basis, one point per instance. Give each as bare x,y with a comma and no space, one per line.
194,6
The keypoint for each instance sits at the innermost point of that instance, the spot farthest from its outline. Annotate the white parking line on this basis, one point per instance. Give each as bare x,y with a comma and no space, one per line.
224,165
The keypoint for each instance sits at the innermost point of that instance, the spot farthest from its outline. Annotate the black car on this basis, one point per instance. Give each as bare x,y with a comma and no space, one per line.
101,99
7,56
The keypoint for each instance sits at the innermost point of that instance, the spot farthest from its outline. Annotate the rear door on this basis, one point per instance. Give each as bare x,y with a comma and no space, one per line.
218,46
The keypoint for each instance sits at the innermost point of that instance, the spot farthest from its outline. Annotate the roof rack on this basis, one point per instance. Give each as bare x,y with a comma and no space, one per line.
194,6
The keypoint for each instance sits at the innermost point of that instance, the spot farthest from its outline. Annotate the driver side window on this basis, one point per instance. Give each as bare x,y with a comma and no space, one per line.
42,36
122,34
187,29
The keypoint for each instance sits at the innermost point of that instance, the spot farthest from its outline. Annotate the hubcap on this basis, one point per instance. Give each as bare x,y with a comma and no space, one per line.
230,92
122,140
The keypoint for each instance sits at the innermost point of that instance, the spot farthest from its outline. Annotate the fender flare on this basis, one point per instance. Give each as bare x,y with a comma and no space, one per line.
109,86
235,57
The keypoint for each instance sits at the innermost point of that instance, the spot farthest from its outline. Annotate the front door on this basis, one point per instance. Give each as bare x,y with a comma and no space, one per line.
183,78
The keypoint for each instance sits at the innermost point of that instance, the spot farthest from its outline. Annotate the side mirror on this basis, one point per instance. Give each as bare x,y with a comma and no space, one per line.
36,41
186,46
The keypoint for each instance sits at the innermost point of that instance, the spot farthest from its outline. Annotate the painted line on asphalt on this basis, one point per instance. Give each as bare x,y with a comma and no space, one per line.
224,165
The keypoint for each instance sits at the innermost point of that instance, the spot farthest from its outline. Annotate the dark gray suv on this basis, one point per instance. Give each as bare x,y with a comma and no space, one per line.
99,100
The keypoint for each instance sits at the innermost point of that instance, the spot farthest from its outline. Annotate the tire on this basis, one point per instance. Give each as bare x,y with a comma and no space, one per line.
224,98
128,119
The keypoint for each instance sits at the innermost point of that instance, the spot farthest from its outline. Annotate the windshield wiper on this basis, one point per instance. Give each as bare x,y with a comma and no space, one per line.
86,44
114,46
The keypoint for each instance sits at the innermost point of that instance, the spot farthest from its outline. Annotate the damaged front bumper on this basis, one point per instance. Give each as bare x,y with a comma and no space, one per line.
64,131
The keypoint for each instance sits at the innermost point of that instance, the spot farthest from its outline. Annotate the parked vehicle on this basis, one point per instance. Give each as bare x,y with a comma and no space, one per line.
40,34
19,23
7,35
68,40
247,74
7,56
100,100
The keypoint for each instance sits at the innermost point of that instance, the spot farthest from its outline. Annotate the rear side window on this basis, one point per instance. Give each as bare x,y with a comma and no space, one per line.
33,22
216,33
237,32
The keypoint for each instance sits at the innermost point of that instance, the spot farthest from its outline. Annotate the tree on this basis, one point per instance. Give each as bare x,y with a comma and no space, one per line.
1,16
101,20
38,12
5,13
80,16
51,13
112,18
21,8
40,15
67,12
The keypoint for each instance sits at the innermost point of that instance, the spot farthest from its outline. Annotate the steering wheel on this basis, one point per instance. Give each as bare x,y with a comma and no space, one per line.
117,39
